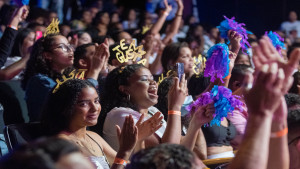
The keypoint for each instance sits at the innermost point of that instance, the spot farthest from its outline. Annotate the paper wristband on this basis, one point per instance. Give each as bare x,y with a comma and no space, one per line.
120,161
170,112
13,27
280,133
227,77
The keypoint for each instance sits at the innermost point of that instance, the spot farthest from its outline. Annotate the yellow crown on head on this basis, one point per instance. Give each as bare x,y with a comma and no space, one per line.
199,64
131,53
75,74
162,77
52,28
146,29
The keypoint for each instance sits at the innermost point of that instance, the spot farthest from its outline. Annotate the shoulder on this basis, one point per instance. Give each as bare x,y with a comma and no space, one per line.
63,136
122,112
95,136
42,79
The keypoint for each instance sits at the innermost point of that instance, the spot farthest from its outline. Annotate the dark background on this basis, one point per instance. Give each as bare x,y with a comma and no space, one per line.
258,15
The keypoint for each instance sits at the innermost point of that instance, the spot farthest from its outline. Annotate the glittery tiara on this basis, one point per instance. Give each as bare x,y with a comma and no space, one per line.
52,28
162,77
131,53
199,64
75,74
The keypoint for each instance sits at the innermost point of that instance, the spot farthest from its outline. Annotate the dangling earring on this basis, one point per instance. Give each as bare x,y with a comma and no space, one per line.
128,97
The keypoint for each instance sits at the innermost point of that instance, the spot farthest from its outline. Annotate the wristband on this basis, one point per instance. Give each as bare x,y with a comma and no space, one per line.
120,161
170,112
13,27
280,133
228,77
178,15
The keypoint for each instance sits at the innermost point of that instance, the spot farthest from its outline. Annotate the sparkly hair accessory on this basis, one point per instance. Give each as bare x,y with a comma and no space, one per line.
52,28
75,74
146,29
162,77
131,53
224,102
199,64
276,40
231,24
217,64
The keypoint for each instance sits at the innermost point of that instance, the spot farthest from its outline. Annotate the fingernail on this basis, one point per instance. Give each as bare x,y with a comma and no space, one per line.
265,68
273,68
281,73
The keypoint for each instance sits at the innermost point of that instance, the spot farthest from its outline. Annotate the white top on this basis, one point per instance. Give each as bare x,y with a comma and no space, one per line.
99,162
288,26
10,61
117,117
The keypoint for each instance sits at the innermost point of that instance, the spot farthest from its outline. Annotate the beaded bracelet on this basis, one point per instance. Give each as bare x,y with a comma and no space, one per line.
120,161
170,112
280,133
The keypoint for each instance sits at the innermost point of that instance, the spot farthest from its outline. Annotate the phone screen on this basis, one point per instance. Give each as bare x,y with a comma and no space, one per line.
179,70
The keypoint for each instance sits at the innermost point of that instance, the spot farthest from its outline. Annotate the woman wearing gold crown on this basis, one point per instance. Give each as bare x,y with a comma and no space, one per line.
51,62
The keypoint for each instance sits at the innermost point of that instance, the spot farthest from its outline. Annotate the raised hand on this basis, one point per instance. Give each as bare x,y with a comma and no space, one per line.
148,127
177,94
73,40
235,40
265,53
265,95
19,16
180,5
128,137
168,8
203,115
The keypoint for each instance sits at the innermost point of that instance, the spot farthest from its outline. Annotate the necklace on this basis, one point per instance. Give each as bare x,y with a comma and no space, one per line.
86,143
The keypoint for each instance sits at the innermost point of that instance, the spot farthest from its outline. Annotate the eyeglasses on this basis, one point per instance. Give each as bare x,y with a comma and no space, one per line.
65,48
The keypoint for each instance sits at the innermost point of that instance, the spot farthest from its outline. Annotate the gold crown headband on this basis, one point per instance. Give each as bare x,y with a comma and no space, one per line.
52,28
146,29
162,77
75,74
199,64
131,53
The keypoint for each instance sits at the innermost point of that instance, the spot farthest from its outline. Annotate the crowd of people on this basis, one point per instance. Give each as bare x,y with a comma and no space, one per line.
116,88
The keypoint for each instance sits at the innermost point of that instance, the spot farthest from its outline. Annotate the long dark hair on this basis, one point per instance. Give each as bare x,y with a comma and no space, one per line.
19,41
171,54
58,112
112,96
38,64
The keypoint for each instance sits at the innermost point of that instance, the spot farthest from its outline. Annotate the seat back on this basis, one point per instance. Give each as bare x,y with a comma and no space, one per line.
17,134
14,104
217,163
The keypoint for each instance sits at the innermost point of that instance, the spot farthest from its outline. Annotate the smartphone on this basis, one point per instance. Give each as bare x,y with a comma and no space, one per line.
179,70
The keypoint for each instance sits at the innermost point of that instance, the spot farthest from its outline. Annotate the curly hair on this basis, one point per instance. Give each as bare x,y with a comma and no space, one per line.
58,111
38,64
112,97
163,156
162,93
171,54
